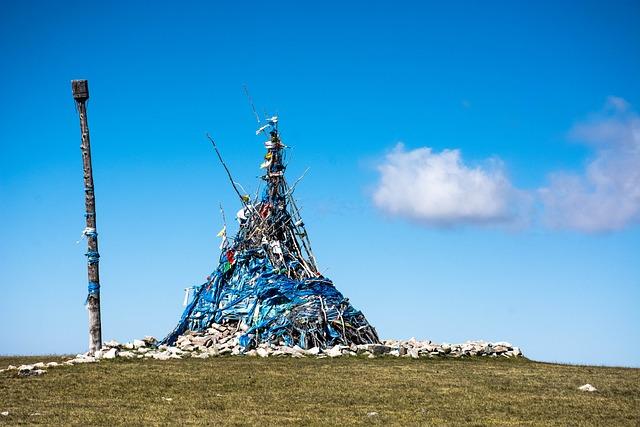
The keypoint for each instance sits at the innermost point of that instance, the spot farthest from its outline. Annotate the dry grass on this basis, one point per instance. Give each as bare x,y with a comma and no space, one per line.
235,390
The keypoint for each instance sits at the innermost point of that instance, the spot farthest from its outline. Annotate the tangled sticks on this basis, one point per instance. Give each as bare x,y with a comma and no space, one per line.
267,281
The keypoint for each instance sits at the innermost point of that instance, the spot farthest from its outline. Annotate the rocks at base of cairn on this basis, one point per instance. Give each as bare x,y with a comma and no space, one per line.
220,340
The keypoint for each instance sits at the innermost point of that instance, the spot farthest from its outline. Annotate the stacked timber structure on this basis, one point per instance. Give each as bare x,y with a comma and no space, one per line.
267,283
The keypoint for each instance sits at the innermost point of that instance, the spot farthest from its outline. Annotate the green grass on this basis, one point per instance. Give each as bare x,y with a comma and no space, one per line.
275,391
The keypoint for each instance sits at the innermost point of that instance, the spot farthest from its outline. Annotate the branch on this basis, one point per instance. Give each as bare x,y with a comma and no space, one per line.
215,147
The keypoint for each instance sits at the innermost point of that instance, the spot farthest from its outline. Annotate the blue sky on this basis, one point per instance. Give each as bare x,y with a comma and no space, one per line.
509,212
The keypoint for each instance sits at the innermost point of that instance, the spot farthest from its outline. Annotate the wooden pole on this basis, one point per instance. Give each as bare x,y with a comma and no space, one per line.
80,89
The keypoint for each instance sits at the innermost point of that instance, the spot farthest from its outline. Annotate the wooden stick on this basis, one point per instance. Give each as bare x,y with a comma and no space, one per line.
215,147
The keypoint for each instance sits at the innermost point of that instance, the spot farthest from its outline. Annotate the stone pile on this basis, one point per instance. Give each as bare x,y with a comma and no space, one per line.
220,340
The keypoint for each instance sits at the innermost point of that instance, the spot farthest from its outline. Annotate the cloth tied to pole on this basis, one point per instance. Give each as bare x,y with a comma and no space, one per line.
92,257
93,290
88,232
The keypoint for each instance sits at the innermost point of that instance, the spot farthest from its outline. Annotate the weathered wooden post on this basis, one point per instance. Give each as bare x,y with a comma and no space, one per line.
80,89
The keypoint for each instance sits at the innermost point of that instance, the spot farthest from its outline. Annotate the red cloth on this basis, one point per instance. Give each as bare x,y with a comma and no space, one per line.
264,210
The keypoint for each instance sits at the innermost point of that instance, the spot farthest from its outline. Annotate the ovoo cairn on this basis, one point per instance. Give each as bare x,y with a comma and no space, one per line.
267,284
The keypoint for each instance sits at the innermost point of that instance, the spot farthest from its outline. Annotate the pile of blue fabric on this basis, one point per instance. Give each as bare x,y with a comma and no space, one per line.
275,308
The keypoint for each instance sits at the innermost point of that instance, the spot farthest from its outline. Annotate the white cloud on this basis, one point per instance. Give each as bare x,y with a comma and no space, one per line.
606,195
440,189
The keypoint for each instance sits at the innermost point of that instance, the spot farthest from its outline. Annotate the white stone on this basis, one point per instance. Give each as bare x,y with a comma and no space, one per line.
201,356
4,413
111,354
28,370
52,364
286,350
85,359
313,351
262,352
498,349
139,343
150,340
126,354
200,340
334,351
502,344
297,352
378,349
161,356
587,387
174,350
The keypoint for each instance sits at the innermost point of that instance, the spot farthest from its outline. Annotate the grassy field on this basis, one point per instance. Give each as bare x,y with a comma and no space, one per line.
235,390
